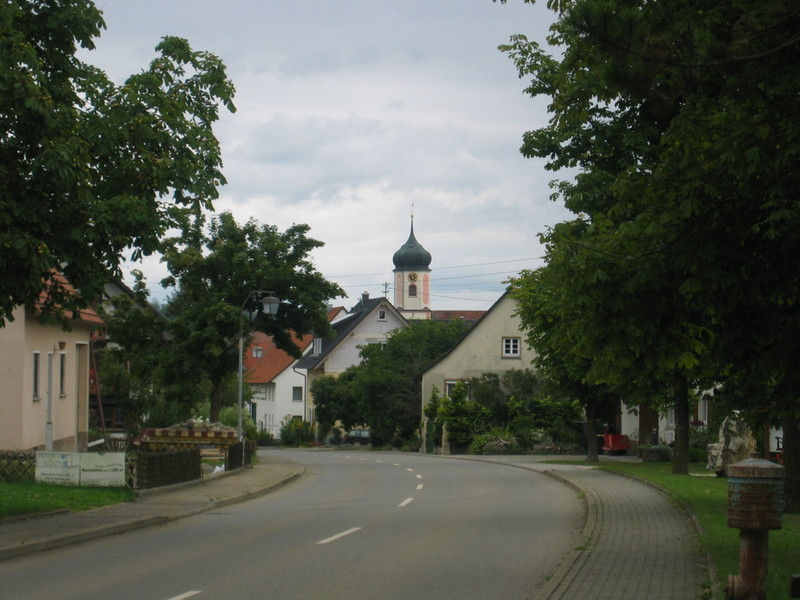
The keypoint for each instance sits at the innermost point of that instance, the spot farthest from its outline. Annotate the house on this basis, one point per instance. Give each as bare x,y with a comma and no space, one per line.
369,322
44,378
278,389
494,344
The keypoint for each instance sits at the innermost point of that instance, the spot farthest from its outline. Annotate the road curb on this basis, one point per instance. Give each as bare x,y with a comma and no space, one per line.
590,516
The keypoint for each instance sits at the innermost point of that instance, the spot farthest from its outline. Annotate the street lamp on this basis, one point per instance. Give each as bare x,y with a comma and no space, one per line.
270,306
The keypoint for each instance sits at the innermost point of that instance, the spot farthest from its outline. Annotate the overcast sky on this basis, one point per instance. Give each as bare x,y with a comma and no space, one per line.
350,111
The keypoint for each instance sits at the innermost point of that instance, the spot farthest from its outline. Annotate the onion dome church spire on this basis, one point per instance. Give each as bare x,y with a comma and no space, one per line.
412,278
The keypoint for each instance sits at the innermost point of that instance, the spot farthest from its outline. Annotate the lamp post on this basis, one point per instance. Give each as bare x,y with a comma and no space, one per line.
270,306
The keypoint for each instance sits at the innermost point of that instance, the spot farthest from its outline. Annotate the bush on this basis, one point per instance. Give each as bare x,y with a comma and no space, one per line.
229,416
523,429
564,434
296,432
265,438
660,453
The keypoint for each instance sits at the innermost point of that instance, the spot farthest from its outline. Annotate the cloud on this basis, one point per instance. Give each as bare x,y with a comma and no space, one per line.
350,112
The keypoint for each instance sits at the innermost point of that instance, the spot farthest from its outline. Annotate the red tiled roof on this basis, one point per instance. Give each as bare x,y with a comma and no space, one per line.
86,315
274,361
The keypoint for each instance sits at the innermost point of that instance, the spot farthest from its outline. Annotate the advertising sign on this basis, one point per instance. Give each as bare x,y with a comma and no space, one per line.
81,468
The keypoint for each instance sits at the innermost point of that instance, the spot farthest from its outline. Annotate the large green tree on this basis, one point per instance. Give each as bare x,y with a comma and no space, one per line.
90,169
383,391
682,120
216,273
138,370
390,376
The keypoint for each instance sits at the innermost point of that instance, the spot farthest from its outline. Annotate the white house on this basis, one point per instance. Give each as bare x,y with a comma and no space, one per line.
369,322
278,388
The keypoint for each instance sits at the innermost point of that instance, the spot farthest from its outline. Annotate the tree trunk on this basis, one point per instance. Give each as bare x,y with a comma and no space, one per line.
216,401
791,462
680,451
591,431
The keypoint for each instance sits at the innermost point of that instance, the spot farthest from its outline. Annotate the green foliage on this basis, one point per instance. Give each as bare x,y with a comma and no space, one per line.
336,398
90,170
137,368
524,428
216,275
462,417
682,124
229,416
296,432
390,375
383,391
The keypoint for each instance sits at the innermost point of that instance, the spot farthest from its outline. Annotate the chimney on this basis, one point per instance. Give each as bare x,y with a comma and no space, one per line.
364,297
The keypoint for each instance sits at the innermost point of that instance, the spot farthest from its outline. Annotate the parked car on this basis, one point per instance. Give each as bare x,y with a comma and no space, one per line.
356,436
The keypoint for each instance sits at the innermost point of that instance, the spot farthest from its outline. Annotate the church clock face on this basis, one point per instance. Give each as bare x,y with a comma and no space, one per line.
412,277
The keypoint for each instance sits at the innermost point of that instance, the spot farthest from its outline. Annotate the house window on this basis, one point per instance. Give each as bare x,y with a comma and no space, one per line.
317,346
450,386
257,351
62,374
412,290
511,347
297,394
36,369
381,315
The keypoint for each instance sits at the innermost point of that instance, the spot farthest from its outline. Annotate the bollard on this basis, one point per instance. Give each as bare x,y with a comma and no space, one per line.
755,505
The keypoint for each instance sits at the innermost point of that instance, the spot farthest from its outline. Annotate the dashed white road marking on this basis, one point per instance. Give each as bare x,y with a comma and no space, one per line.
186,595
378,461
405,502
338,535
419,486
395,464
409,469
419,476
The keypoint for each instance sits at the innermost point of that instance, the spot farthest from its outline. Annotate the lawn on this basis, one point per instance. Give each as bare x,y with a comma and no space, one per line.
707,499
30,498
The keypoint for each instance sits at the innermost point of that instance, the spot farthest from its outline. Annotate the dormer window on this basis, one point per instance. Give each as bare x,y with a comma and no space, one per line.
257,351
316,347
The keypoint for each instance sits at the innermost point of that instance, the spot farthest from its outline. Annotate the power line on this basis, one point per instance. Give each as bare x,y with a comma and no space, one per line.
497,262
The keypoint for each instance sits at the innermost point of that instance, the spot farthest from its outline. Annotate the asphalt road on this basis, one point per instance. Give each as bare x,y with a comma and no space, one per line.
359,525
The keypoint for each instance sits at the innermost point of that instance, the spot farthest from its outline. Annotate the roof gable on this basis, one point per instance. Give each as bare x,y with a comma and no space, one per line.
475,329
365,308
274,361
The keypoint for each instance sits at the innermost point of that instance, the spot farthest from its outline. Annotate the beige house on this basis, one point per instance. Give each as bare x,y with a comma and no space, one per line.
495,344
44,382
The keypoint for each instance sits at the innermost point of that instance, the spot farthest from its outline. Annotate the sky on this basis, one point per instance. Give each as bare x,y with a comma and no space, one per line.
351,114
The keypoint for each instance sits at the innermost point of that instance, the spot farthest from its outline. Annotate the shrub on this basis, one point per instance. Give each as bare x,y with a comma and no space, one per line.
660,453
523,428
296,432
265,438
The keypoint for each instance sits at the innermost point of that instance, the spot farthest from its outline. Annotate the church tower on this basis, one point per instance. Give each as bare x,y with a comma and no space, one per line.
412,279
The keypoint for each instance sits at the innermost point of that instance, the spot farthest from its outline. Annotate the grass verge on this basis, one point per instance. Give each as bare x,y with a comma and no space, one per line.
31,498
707,499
